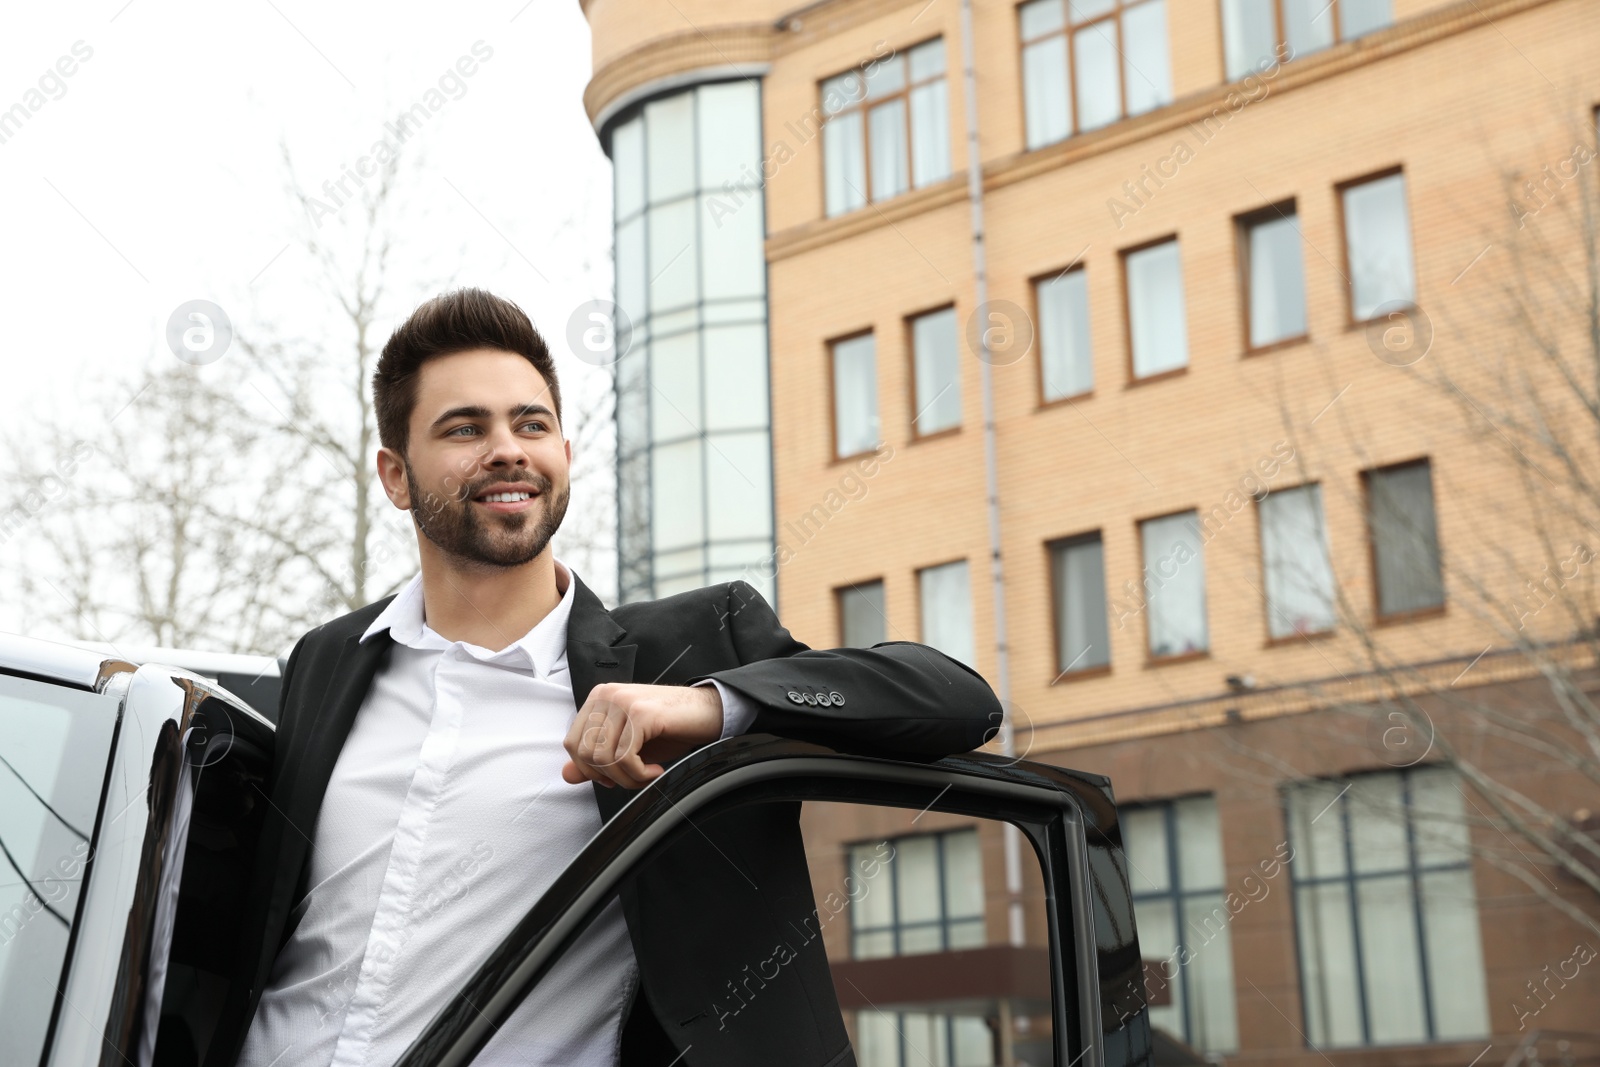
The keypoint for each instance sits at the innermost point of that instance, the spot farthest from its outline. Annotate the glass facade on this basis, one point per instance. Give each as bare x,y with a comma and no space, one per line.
694,458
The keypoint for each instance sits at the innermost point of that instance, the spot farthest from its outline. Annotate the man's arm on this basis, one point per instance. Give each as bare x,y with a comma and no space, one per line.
896,698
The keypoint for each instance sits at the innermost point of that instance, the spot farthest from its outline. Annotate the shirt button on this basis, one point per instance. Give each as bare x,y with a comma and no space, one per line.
795,698
837,698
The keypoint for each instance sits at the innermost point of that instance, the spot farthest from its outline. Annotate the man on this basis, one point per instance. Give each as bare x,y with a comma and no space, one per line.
443,754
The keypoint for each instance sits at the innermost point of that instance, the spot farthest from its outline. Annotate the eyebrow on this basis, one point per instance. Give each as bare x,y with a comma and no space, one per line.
478,411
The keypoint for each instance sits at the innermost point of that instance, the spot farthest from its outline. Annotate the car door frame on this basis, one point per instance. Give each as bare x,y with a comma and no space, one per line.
1097,992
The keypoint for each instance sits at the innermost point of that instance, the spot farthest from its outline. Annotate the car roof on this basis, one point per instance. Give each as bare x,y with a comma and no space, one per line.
52,660
210,664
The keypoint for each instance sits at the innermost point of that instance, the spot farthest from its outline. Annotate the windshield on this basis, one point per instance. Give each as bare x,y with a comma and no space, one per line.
54,743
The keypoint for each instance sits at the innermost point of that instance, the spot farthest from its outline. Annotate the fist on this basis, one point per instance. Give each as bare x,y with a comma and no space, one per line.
624,731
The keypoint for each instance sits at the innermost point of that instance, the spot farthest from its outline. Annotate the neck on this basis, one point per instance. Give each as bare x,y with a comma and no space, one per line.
491,607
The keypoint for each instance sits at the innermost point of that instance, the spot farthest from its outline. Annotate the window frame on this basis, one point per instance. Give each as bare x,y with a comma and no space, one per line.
833,396
1050,548
1067,30
909,333
1243,224
1134,379
838,605
972,606
1339,190
864,107
1150,659
1379,618
896,928
1179,896
1280,42
1041,401
1261,551
1349,880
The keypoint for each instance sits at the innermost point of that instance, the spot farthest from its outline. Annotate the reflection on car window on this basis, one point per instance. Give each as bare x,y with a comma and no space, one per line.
54,743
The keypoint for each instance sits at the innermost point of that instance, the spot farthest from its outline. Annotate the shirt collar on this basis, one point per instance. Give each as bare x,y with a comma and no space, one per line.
543,648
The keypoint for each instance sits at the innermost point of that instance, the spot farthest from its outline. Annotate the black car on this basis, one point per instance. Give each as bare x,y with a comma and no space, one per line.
130,806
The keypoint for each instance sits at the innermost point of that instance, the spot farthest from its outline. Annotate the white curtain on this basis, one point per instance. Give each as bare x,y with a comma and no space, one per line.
1175,581
1294,549
1066,360
947,610
1157,320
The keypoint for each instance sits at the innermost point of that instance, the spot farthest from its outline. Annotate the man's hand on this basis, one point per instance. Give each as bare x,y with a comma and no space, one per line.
624,729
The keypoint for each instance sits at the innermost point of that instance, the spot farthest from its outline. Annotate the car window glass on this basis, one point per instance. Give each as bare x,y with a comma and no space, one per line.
54,744
783,934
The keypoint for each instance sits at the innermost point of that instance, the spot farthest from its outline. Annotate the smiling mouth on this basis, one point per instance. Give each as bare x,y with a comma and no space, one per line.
509,501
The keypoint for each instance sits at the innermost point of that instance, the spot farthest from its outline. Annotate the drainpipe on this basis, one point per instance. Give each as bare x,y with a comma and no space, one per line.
1008,742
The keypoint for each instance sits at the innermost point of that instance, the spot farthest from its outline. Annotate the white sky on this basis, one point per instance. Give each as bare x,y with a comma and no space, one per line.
156,177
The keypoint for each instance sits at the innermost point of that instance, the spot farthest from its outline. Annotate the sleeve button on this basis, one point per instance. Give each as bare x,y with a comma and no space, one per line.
795,698
837,698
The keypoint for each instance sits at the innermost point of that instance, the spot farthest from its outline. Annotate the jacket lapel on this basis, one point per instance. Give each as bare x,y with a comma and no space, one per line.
593,656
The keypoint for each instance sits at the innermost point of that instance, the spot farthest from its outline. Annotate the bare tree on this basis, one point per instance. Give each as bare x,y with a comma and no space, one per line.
1518,360
244,507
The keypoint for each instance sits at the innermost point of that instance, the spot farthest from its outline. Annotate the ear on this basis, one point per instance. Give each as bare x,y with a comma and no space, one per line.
392,472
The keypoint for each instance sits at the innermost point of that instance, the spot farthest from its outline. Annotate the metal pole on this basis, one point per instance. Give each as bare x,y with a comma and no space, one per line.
1013,838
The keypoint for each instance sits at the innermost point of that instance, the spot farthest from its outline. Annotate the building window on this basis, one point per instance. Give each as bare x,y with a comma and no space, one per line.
1405,538
862,619
1254,30
947,610
1274,276
1385,912
690,342
936,372
1294,559
886,127
1086,63
855,395
1174,585
932,900
928,897
1157,326
1176,873
1377,245
1078,581
1066,366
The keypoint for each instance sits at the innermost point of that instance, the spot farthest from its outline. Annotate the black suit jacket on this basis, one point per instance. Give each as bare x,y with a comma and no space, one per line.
718,902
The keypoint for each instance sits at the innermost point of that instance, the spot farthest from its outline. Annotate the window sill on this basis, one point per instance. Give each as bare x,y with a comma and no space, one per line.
948,431
1352,325
1401,617
1277,346
1175,372
1080,675
1182,657
1295,639
1063,401
854,457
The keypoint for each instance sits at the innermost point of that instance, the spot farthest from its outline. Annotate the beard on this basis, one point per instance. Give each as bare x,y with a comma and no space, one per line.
488,539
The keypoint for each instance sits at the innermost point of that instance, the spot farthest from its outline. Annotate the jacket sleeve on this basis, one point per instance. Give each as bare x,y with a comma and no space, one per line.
897,698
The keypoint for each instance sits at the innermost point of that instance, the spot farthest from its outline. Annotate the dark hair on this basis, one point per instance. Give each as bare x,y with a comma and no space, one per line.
457,321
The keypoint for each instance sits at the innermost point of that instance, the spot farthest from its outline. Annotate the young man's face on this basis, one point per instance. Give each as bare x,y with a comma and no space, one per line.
486,469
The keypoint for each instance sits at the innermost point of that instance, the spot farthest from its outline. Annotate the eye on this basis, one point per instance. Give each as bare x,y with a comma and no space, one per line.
534,422
458,431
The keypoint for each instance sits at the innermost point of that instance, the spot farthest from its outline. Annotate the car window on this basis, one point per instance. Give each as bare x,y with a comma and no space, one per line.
823,933
54,744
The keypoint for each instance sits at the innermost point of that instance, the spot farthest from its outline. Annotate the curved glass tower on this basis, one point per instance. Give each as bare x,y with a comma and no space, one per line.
694,461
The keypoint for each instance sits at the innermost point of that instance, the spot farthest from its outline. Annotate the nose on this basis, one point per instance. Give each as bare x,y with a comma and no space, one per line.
503,449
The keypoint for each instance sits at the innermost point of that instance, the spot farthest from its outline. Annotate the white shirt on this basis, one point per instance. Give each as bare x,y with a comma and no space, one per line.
444,819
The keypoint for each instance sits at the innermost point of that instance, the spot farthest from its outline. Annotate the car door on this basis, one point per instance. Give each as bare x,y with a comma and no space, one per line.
128,817
1032,960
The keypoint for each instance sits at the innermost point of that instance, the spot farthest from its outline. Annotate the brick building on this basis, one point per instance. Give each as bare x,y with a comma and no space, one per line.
1169,356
